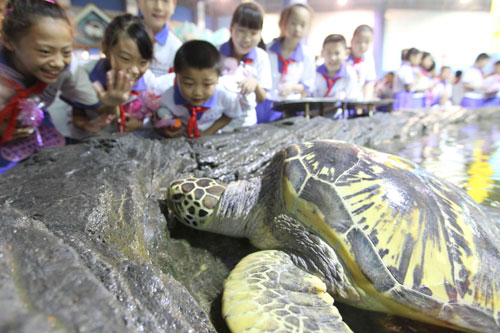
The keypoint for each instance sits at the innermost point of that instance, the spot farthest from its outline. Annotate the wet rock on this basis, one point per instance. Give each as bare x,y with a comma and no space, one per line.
86,243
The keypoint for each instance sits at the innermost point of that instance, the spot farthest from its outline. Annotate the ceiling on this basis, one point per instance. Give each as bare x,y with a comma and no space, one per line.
226,7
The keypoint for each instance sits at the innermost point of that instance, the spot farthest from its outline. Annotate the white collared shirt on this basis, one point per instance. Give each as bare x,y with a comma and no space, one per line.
474,77
227,103
346,87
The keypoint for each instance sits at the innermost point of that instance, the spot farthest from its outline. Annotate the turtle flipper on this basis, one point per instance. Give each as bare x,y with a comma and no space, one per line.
267,292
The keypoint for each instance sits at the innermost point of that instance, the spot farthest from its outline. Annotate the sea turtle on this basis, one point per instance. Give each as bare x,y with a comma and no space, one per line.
339,221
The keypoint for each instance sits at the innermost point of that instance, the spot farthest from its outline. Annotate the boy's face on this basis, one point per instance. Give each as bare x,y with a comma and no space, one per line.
334,54
297,24
244,39
156,12
44,51
445,74
125,56
415,59
197,85
360,43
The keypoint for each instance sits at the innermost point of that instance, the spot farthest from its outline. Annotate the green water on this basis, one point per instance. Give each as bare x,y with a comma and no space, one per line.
467,156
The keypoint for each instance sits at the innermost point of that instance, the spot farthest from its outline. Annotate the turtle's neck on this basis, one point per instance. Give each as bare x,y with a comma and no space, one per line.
236,209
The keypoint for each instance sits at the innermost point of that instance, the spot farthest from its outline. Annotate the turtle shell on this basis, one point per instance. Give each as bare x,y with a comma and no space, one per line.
410,241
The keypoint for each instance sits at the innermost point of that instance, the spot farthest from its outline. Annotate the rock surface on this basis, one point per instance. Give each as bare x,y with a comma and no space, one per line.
84,240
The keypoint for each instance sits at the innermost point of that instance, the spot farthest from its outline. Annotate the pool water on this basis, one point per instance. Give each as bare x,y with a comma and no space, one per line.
466,155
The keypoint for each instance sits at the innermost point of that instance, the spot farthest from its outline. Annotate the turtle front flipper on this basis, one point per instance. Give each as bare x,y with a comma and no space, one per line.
267,292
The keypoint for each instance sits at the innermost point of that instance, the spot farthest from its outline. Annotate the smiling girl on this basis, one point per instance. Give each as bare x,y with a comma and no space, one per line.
35,55
251,70
118,78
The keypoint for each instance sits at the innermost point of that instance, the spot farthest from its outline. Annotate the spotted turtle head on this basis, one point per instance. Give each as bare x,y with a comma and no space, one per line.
193,200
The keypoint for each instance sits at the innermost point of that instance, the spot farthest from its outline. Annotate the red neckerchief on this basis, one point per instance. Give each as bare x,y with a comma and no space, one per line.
122,121
426,73
284,69
192,127
247,61
12,108
330,83
356,61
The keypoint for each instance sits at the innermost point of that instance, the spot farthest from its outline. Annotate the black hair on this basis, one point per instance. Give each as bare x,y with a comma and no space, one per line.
20,15
249,15
433,65
411,52
197,54
335,38
497,62
482,56
362,28
131,25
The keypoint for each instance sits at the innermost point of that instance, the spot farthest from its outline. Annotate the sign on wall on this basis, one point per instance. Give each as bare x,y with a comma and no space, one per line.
90,22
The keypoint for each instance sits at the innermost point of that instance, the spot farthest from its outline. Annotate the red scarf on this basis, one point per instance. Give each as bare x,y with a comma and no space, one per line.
330,83
284,69
247,61
122,121
12,108
356,61
192,127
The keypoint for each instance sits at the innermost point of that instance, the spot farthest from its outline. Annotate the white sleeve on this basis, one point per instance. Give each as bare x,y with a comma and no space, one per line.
319,85
77,89
264,72
406,75
352,89
309,74
371,73
230,103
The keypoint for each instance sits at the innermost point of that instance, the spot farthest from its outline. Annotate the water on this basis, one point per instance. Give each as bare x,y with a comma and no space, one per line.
466,155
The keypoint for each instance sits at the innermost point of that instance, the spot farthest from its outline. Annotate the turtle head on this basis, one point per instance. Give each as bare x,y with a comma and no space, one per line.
194,200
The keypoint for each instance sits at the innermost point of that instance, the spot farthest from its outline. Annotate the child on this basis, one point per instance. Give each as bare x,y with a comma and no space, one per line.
473,83
493,83
203,106
292,64
335,78
155,15
422,92
35,56
362,61
118,78
406,79
443,88
250,76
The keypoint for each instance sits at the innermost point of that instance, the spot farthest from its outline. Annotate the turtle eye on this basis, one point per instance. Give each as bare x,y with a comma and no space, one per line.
177,197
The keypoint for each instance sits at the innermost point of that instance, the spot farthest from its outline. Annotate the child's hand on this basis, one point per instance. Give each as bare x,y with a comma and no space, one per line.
132,123
286,89
170,132
95,125
248,85
22,132
118,90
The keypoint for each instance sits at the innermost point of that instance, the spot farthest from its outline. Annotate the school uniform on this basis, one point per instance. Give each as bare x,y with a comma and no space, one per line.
493,83
174,106
72,85
422,99
165,47
441,88
299,68
365,69
473,99
256,65
404,76
344,85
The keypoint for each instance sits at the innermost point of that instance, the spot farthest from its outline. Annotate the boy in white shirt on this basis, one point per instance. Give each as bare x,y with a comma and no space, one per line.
196,99
335,78
474,84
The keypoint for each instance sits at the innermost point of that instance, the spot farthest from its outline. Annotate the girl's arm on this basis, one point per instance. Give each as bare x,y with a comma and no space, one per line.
250,85
217,125
369,90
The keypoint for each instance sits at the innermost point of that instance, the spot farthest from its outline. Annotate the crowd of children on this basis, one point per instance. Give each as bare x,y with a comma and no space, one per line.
149,82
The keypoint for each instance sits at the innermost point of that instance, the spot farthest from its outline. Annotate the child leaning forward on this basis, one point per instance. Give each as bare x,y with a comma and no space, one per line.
202,106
